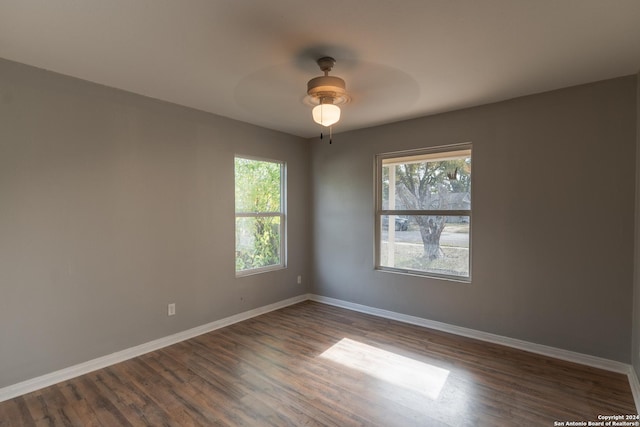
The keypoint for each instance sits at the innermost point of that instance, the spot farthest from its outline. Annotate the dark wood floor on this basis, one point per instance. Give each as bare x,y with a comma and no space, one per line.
312,364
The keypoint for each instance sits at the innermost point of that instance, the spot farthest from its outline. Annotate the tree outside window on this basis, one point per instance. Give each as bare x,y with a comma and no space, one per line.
259,206
424,212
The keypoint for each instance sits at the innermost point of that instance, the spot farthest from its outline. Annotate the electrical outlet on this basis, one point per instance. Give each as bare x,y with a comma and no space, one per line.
299,280
171,309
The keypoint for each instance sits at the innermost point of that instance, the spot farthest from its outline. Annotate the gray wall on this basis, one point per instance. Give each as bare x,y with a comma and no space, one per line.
553,219
113,205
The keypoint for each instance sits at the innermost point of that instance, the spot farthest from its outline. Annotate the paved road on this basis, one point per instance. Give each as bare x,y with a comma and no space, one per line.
446,239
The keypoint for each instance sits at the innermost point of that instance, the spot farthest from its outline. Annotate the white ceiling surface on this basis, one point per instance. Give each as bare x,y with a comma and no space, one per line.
251,60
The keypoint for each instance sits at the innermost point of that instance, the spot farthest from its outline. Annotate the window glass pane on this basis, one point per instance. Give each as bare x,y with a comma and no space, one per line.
258,185
259,205
258,242
435,181
429,244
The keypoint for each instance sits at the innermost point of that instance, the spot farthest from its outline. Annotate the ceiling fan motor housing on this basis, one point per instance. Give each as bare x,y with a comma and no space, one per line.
327,89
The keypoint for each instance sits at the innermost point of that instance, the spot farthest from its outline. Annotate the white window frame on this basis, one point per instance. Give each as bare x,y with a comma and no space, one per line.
424,154
281,214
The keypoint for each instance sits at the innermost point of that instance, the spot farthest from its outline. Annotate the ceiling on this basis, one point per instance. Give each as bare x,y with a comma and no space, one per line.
251,60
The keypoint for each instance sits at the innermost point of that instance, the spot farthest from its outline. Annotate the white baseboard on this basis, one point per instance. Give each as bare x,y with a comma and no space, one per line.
583,359
47,380
37,383
635,387
570,356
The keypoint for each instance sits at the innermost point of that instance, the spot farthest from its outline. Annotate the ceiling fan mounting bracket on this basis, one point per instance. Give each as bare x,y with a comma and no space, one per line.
326,63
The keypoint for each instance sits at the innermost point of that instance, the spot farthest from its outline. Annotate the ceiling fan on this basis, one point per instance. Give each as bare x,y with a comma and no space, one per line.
327,93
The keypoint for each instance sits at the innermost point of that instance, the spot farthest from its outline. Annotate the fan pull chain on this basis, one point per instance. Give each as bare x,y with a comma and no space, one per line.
330,135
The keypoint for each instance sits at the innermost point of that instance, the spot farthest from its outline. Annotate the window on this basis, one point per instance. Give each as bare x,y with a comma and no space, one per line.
423,212
260,215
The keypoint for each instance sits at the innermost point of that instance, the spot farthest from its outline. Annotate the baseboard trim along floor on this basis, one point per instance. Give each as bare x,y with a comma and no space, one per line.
46,380
557,353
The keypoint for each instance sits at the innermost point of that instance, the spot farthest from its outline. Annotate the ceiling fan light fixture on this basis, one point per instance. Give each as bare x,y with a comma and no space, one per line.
326,114
328,92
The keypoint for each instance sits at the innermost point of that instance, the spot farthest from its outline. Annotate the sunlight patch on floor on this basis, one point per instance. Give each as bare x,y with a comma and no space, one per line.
393,368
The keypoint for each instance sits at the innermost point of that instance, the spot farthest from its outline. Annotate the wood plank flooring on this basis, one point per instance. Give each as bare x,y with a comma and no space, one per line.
316,365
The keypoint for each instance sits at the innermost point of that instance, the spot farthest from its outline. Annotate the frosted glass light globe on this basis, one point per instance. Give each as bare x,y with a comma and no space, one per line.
326,114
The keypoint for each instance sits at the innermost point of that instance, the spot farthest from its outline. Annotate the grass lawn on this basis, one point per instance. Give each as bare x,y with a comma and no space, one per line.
455,261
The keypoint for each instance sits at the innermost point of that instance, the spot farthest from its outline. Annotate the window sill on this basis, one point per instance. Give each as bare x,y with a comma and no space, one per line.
254,271
426,275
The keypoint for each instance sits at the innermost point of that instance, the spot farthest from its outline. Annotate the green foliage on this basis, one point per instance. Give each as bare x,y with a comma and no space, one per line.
432,185
258,191
257,242
425,180
257,185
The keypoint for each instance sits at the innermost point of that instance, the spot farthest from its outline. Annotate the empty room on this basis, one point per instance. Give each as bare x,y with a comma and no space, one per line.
336,213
